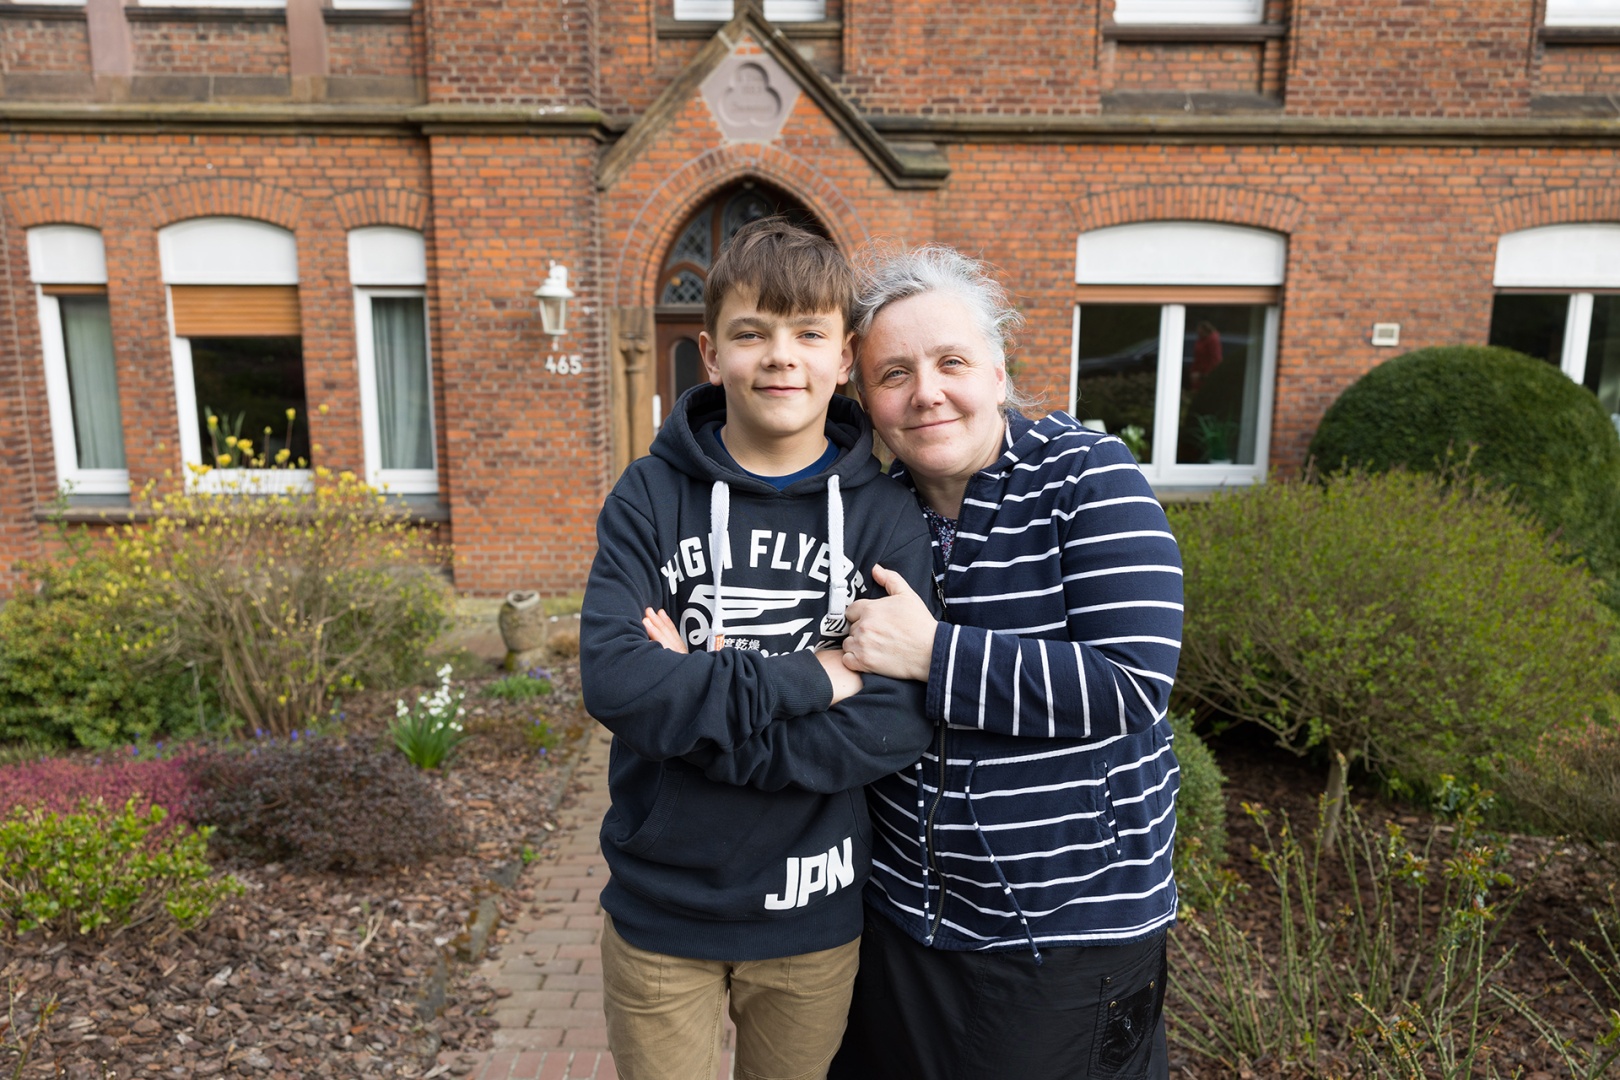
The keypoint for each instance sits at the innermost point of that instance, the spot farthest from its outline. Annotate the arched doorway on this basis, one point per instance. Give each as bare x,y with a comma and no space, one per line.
678,307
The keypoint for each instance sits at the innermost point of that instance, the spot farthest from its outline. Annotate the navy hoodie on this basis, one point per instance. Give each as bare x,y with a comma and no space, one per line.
739,827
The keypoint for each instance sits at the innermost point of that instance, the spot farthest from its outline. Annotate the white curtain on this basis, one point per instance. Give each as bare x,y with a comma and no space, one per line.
399,328
98,426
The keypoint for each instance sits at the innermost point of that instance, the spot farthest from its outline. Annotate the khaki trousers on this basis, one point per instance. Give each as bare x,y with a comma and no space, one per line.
664,1019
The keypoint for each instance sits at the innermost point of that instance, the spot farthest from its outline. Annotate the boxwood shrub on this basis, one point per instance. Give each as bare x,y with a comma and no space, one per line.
1527,427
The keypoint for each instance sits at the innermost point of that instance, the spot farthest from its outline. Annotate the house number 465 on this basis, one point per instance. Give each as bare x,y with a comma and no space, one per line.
565,365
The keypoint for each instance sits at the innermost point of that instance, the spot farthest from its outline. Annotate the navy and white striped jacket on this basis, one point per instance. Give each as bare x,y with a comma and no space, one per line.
1045,811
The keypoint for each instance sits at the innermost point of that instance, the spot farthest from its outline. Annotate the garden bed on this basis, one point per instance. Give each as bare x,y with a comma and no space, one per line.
313,974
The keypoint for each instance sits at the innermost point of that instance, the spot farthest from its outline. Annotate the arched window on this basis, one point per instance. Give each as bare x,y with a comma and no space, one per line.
686,270
388,269
1175,339
1558,298
68,266
238,351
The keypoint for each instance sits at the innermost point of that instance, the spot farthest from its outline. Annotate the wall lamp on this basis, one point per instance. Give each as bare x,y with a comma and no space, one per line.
554,295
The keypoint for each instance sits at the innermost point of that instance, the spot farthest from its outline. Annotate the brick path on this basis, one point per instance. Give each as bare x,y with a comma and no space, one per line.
552,1026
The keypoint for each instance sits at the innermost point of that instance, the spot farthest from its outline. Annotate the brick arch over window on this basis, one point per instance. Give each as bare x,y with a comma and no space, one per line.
674,201
377,206
1189,202
1570,206
223,198
57,206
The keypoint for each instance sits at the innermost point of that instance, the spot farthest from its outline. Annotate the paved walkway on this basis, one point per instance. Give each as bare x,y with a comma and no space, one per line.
552,1026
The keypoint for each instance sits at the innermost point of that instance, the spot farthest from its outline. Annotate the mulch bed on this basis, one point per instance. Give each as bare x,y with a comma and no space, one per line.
310,974
1565,884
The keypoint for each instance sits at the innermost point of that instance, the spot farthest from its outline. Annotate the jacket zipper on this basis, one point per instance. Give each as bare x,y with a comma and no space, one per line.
933,811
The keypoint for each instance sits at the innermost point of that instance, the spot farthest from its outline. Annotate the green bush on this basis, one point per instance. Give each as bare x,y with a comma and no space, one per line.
1571,785
74,670
1417,624
1529,428
101,872
321,804
1200,804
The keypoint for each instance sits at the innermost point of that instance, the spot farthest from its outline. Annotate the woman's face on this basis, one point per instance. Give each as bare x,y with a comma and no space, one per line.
934,389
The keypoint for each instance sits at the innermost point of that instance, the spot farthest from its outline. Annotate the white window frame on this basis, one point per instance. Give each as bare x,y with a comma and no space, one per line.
1583,13
388,261
1189,12
777,11
223,251
67,255
214,3
1187,254
1568,259
372,5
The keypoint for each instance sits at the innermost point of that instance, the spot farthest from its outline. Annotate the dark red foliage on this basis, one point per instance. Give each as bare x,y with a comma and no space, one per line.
61,784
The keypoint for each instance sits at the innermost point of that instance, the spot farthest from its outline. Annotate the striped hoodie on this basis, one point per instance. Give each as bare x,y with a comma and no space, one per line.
1044,812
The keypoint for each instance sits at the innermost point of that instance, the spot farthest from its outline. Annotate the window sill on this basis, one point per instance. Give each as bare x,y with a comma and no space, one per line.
74,12
1194,32
89,510
1579,35
670,27
206,14
367,15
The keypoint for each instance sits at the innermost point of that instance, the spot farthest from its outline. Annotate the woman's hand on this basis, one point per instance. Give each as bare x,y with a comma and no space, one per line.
661,628
892,635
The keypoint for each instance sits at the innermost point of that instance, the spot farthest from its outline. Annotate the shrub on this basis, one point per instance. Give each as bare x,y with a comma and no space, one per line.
285,599
101,872
1200,805
58,785
321,804
1537,433
74,667
1417,626
1572,785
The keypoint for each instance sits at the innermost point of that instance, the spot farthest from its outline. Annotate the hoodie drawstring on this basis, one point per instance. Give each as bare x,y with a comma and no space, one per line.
1006,887
837,585
719,523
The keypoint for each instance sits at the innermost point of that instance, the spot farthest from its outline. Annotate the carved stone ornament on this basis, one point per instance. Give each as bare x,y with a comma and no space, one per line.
750,96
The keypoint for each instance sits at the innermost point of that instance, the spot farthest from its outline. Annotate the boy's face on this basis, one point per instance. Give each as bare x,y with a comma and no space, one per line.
779,372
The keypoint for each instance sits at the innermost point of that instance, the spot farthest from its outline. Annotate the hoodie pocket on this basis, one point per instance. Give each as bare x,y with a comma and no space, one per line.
645,838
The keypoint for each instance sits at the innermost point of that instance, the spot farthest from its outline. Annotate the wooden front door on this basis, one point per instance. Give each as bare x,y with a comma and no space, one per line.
680,363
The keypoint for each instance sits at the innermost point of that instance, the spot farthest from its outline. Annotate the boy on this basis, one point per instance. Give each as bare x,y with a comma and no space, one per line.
738,837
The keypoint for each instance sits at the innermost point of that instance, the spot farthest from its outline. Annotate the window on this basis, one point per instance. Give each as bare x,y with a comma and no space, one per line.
68,266
238,351
388,268
1583,13
775,10
1559,300
1175,341
214,3
1188,12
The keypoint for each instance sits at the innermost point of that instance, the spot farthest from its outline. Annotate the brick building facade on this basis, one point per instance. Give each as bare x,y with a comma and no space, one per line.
1202,207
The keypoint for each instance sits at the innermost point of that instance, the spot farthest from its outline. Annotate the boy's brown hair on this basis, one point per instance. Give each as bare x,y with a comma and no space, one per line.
791,270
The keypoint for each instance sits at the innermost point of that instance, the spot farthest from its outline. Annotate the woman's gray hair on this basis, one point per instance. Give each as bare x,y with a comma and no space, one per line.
890,276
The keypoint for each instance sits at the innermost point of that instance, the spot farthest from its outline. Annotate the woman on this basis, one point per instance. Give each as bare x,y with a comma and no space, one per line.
1021,886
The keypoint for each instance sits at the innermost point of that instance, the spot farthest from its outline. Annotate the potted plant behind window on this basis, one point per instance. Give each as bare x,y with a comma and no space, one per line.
1217,434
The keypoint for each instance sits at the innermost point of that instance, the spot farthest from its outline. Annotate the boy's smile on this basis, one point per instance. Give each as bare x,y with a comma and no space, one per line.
778,372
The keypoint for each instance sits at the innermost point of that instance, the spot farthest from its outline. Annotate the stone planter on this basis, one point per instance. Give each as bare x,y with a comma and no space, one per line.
523,628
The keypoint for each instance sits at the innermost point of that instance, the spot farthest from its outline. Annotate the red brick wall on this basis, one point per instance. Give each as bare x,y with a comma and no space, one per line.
528,451
188,47
958,56
1404,58
40,45
512,52
1579,69
1154,66
377,49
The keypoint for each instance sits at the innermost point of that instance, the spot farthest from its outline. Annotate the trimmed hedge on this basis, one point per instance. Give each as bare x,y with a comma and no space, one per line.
1528,427
1200,805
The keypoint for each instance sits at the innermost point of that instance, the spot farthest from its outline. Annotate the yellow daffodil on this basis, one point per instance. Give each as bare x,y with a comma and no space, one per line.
291,413
230,440
213,422
224,461
324,409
